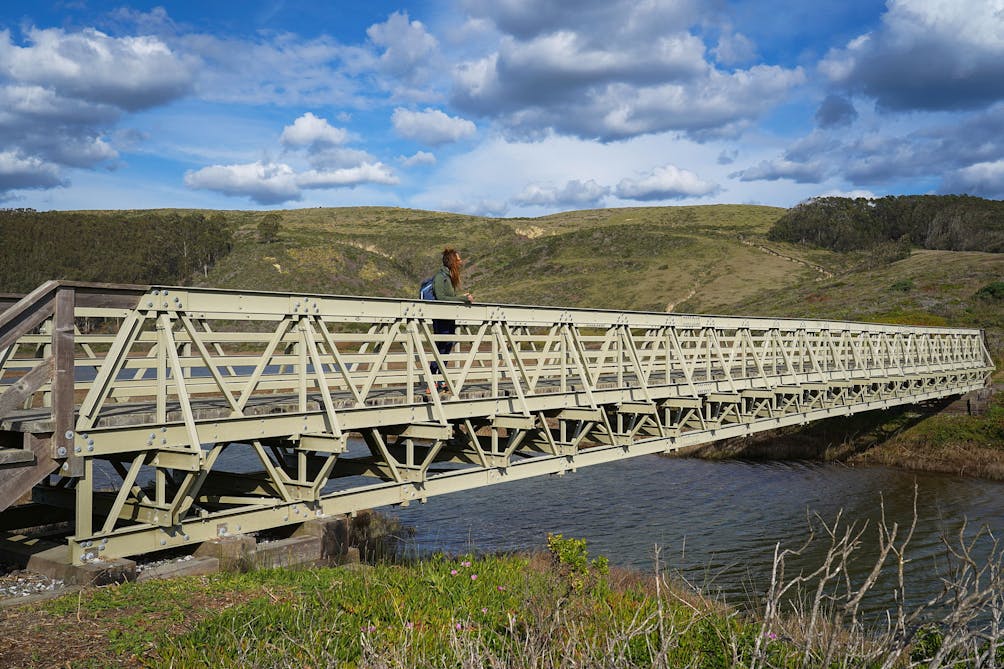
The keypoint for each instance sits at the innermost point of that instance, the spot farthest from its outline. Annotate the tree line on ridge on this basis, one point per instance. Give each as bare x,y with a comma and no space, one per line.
128,247
944,222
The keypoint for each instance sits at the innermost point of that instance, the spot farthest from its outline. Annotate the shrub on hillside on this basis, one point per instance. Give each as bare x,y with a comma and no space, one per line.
991,291
903,286
268,228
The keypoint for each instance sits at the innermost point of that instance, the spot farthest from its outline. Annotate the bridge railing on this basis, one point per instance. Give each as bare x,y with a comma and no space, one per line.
179,346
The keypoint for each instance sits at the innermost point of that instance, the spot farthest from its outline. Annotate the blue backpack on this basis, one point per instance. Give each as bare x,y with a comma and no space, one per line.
426,291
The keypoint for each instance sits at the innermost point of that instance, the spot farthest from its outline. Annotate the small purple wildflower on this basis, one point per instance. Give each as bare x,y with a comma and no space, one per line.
466,563
500,588
453,572
474,577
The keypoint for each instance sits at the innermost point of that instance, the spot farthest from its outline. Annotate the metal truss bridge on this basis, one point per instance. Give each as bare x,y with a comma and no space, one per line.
157,417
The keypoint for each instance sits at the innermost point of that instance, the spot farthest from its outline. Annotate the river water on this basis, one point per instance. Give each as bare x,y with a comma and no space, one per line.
716,523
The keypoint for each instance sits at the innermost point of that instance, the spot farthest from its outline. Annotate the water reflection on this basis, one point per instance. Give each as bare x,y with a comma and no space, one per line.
717,523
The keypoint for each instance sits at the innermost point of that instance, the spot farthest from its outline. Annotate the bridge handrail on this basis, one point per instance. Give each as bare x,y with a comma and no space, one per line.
56,301
206,304
111,295
26,313
541,314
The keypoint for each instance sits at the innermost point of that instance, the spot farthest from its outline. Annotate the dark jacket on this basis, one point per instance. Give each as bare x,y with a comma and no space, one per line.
443,287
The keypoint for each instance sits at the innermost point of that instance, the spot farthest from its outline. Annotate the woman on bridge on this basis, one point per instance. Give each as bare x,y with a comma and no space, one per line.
446,286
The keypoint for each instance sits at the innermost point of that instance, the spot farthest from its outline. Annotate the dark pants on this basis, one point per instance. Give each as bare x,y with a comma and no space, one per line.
444,347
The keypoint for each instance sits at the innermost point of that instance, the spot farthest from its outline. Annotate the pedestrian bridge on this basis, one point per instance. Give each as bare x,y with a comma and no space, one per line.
155,417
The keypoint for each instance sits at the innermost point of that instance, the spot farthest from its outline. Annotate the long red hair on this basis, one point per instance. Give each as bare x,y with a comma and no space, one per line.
451,259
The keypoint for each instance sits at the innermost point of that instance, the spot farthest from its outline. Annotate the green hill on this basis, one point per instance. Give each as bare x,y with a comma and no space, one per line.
639,258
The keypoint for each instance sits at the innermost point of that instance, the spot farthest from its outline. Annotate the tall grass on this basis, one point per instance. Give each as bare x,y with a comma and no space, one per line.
564,610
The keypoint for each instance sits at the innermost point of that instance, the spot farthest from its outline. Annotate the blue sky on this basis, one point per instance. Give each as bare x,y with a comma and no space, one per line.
496,107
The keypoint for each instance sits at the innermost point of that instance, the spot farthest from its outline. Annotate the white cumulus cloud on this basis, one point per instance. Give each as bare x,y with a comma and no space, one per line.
665,183
17,171
318,162
574,193
418,158
274,183
431,126
926,54
408,45
783,168
983,179
63,92
309,129
613,70
130,73
372,173
265,183
735,49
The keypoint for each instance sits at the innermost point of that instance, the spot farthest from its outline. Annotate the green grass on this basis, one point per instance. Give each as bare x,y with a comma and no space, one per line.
959,444
561,609
928,288
558,610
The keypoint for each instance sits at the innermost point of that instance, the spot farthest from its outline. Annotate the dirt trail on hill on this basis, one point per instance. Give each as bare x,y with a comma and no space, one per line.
826,274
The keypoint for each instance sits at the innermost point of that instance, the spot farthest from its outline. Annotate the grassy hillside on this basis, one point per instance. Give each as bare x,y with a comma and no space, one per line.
928,288
638,258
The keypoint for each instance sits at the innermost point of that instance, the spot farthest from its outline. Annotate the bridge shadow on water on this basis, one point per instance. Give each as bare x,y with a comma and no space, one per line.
831,439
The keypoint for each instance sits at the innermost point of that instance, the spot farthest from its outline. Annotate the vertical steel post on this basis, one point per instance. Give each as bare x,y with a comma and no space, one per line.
300,349
84,509
161,372
409,361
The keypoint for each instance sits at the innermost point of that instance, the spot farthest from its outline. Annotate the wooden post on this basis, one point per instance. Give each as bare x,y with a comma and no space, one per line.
63,401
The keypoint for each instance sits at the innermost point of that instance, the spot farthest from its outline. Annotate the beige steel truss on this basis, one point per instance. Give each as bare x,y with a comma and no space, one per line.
328,397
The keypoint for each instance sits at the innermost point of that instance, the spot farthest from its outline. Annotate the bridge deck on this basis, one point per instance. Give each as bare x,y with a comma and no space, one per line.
154,384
